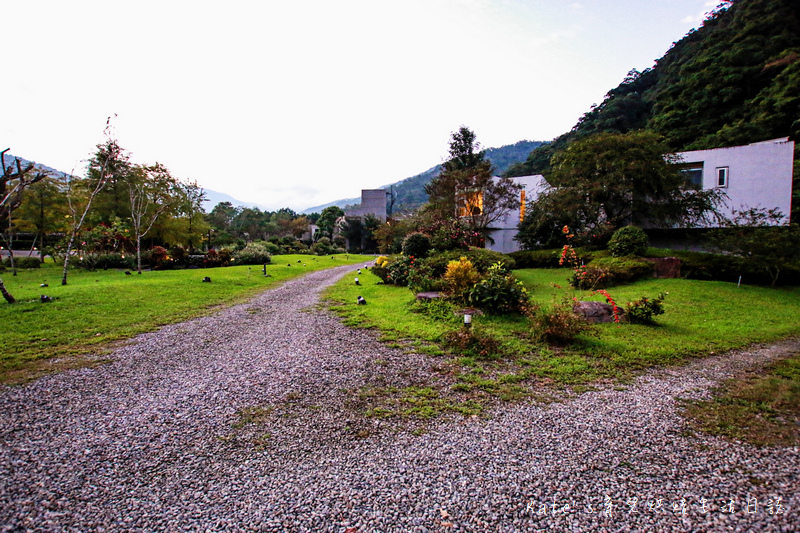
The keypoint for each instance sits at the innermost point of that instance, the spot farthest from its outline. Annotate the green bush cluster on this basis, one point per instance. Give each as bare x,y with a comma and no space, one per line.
23,262
628,240
255,253
102,261
644,309
546,258
499,292
488,286
416,245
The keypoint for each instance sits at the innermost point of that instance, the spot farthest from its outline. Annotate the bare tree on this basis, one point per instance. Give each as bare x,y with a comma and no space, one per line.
12,185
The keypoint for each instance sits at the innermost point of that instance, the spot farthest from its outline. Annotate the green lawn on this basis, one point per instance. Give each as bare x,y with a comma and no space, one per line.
96,308
702,317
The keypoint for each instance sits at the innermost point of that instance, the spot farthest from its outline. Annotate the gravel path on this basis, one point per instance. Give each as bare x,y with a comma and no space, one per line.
155,441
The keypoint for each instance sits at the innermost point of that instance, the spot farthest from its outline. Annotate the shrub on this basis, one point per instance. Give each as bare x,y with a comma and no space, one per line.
399,270
590,278
643,310
561,325
381,261
416,244
253,254
157,257
460,276
622,269
480,258
106,261
421,278
23,262
382,271
499,292
629,240
472,342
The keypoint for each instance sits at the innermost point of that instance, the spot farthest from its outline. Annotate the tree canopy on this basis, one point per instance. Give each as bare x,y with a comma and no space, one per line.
610,180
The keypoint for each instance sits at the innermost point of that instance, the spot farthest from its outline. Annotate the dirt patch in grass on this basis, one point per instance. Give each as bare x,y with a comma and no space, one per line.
760,406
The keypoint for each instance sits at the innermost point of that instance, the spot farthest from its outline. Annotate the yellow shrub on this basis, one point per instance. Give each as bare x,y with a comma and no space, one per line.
461,275
381,261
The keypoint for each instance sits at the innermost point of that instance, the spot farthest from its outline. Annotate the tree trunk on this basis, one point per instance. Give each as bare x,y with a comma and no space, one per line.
138,253
10,299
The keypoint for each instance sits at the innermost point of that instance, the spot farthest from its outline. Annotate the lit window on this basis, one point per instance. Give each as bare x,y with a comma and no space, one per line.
522,205
722,176
471,203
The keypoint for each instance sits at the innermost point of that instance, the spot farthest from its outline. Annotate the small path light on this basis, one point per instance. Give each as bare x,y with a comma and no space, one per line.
467,320
357,283
361,301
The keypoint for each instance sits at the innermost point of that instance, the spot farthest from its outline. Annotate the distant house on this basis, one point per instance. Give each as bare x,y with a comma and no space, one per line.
500,236
757,175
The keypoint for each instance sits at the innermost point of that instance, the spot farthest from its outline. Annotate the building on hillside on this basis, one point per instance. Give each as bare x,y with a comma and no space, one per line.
373,202
757,175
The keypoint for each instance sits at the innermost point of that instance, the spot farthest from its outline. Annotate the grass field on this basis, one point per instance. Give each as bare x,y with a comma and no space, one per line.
98,308
702,318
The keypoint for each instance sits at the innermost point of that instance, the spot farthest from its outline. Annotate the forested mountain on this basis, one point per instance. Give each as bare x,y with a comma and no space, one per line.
735,80
410,192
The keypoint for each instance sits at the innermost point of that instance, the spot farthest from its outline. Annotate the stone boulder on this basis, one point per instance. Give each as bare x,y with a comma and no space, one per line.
597,312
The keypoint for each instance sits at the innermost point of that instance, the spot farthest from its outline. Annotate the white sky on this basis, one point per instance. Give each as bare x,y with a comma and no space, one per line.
298,103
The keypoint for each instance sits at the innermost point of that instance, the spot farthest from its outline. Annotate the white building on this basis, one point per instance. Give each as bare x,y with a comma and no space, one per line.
757,175
502,232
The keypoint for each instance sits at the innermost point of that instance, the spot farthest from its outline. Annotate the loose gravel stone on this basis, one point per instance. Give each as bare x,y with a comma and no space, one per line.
157,440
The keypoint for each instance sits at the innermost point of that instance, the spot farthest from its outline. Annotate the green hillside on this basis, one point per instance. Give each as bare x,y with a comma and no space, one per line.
735,80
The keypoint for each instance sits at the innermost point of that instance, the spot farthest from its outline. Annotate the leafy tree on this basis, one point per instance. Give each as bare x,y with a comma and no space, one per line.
190,209
109,162
466,187
151,191
616,180
43,210
327,220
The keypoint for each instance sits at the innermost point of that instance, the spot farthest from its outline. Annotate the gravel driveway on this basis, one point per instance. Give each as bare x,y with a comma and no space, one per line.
156,441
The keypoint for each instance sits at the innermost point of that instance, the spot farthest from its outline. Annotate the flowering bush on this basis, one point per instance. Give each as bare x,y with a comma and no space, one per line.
399,270
643,310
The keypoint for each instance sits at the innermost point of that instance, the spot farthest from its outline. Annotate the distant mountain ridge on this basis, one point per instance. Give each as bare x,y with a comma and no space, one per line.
9,160
410,192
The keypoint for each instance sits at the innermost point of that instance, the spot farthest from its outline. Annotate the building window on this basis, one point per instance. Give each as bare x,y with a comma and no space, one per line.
470,203
693,174
522,205
722,176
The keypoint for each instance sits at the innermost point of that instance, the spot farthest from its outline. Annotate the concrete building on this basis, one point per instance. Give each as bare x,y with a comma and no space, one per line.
373,202
757,175
502,232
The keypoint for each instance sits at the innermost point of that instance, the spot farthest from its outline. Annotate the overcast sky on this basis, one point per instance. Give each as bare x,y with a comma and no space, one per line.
297,103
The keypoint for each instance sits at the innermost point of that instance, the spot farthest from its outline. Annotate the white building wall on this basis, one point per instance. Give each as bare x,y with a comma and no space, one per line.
505,229
760,174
